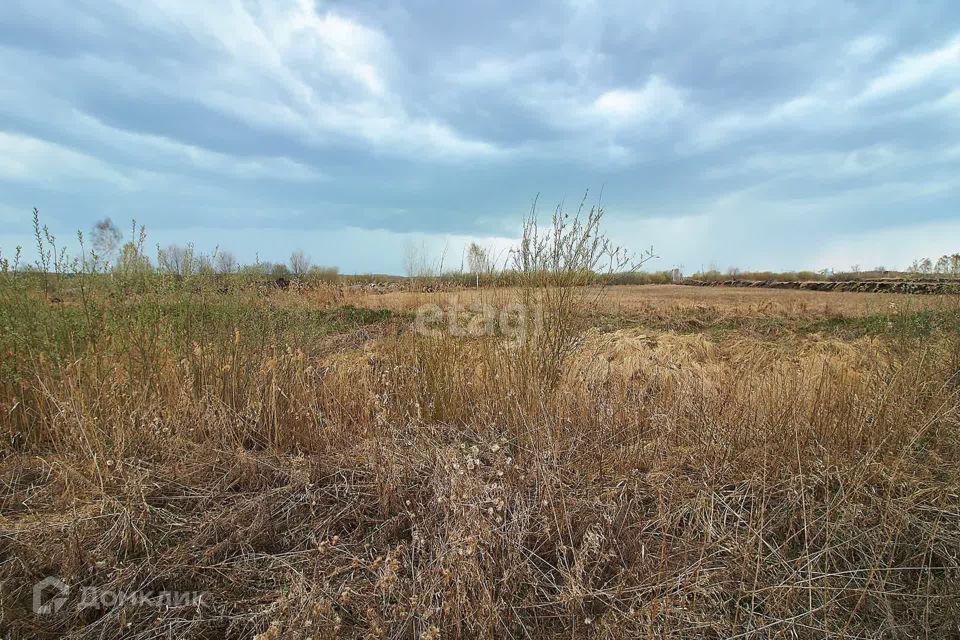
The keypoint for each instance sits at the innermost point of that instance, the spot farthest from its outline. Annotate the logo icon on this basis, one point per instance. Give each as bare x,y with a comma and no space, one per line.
49,595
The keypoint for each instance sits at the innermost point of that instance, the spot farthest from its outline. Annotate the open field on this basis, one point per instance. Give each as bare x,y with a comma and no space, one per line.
760,312
385,367
695,462
629,299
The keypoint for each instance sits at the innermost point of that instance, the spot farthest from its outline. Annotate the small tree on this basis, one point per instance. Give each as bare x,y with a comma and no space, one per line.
943,264
205,264
477,258
177,259
299,263
105,238
556,266
225,262
132,260
478,261
416,264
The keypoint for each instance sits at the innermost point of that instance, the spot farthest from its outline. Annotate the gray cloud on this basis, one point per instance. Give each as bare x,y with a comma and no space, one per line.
766,135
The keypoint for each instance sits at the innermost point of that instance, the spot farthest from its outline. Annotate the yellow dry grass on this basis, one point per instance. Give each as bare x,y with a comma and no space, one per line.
380,483
631,299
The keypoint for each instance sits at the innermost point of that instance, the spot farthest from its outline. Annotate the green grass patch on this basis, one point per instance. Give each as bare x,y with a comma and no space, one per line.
910,325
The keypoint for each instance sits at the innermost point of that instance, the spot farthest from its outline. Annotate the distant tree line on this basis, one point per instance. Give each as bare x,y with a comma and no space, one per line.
944,265
182,260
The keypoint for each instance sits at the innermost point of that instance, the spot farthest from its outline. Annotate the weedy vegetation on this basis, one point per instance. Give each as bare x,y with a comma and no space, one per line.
316,468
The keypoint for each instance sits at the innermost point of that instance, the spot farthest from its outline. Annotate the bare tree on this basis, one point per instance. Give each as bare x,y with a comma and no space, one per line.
299,263
204,264
105,237
554,264
416,264
411,259
225,262
177,259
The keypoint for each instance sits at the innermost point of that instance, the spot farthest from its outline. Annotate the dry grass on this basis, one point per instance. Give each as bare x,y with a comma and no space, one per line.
361,480
668,299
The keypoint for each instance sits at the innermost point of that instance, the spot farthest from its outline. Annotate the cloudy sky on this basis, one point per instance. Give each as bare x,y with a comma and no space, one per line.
766,135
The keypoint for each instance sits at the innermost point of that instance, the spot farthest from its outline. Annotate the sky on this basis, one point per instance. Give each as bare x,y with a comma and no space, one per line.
761,135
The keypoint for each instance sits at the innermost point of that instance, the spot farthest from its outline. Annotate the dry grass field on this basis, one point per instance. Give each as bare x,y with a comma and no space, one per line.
670,299
692,463
385,369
